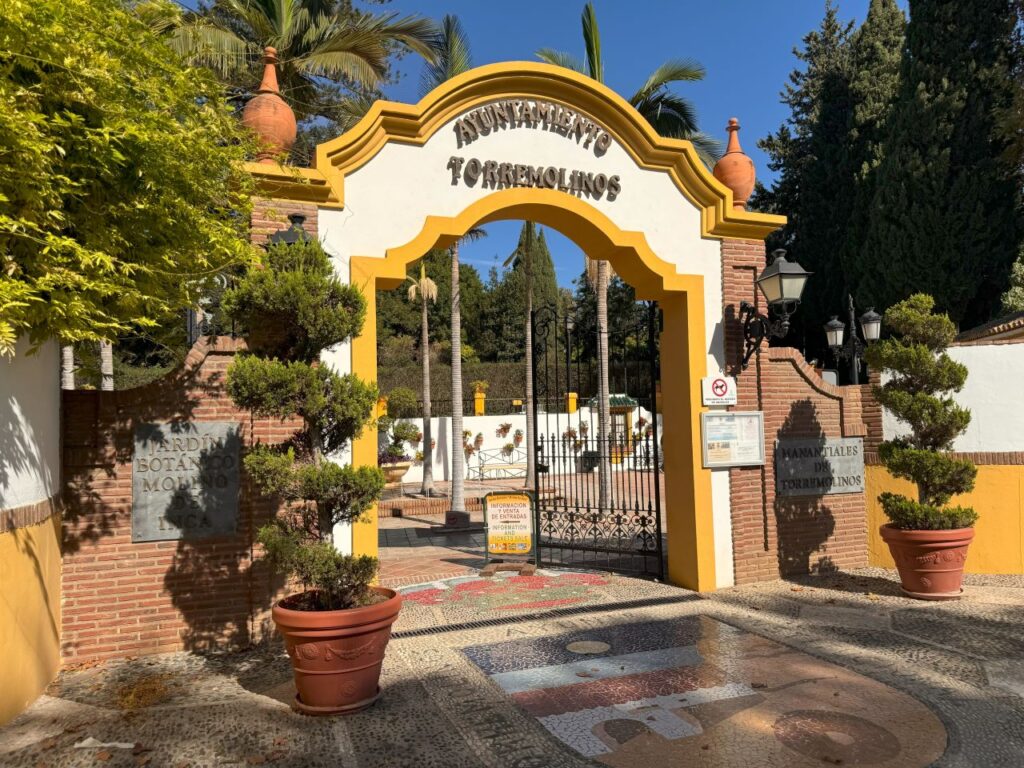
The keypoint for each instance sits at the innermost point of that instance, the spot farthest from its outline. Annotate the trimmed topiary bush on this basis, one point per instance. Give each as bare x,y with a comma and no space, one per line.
293,308
921,377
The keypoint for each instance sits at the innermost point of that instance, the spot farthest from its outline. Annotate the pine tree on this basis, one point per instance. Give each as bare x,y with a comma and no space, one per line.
813,189
293,309
945,217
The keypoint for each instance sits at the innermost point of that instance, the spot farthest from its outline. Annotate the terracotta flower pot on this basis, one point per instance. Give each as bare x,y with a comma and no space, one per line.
337,655
930,563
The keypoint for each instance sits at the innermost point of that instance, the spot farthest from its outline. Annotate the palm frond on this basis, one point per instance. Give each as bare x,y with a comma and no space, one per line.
359,48
200,42
673,71
414,32
351,109
592,41
709,149
254,15
452,55
474,234
561,59
669,114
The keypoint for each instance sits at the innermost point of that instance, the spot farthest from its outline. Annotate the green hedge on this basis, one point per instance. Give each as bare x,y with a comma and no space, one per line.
506,381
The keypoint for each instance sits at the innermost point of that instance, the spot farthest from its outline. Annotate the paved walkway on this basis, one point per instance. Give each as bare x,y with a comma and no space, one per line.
415,549
584,669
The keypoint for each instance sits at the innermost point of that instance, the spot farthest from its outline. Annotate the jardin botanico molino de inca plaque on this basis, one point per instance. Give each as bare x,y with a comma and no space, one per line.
185,480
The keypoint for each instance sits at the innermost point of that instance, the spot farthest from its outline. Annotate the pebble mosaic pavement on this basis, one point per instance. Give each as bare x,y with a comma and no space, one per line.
831,670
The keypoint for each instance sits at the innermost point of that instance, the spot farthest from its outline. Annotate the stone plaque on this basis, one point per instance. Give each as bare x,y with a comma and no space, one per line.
819,467
185,480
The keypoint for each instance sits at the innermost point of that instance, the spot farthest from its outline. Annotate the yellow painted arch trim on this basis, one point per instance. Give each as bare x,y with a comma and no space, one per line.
691,548
307,185
589,228
416,123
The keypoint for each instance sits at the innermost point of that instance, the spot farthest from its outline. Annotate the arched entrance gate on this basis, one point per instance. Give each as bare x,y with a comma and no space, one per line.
534,142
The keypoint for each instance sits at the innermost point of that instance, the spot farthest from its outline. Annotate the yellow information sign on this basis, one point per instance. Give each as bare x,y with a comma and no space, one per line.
509,520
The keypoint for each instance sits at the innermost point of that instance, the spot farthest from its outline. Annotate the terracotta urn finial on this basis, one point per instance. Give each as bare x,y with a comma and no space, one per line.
735,169
268,115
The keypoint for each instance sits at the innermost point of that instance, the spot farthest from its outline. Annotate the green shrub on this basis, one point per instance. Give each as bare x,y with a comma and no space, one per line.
921,378
292,309
403,403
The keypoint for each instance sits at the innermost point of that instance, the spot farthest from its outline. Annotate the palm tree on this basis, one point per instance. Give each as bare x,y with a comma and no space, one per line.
670,115
450,57
316,40
106,366
425,290
67,367
524,254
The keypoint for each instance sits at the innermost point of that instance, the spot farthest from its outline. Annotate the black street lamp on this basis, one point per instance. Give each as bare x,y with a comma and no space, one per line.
782,283
852,348
293,234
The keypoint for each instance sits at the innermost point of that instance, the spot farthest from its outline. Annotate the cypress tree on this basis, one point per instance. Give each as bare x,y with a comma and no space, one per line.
508,316
944,218
813,188
876,56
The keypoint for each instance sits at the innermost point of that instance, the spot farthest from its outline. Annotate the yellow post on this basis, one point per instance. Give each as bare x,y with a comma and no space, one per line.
479,403
571,402
691,547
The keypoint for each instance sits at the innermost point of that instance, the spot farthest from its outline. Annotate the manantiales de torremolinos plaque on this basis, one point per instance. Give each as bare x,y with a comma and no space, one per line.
819,467
185,480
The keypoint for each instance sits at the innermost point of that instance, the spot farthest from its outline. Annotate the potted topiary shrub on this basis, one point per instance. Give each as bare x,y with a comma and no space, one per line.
395,460
337,627
928,538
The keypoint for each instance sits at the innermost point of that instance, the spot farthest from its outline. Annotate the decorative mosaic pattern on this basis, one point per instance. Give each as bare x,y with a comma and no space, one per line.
508,593
659,693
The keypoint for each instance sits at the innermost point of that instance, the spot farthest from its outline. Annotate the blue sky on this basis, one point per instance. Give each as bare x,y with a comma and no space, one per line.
745,46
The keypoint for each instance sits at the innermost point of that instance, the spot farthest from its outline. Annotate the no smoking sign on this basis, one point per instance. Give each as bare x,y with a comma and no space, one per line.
718,390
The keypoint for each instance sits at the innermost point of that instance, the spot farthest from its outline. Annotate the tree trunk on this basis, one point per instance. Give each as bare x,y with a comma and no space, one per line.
458,501
531,426
427,487
604,421
106,366
67,367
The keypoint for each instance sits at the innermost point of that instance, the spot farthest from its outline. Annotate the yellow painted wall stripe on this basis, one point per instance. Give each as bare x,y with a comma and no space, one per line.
29,613
998,497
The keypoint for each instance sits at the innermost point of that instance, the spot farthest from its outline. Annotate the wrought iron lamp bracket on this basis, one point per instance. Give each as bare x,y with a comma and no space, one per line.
758,327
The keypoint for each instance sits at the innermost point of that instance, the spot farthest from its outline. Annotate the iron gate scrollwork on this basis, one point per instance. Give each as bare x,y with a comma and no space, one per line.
598,496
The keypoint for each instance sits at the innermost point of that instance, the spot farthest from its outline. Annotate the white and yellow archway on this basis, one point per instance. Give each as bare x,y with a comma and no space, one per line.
409,178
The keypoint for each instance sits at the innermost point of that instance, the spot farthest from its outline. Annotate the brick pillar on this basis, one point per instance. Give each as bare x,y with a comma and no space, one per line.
752,521
270,216
871,411
742,262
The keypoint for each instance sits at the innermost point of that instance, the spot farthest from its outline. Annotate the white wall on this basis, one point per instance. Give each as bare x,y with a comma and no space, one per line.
29,425
389,197
487,426
994,393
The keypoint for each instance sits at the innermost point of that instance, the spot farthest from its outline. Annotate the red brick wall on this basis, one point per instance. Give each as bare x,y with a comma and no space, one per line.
790,535
269,216
121,598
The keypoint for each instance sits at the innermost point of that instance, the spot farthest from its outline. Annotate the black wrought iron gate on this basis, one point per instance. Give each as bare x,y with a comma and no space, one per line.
598,491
